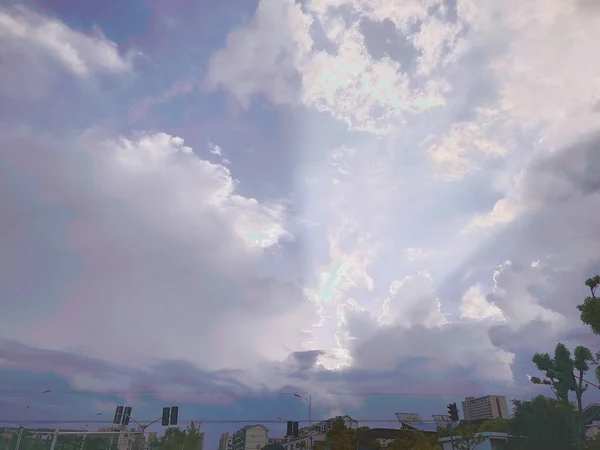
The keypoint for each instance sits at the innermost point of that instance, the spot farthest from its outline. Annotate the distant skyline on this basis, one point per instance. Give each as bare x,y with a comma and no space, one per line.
218,204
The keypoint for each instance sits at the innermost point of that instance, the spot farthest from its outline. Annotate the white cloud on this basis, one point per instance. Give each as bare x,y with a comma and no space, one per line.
420,254
455,151
543,90
201,187
215,149
263,57
371,95
79,53
504,211
412,302
167,243
475,306
165,240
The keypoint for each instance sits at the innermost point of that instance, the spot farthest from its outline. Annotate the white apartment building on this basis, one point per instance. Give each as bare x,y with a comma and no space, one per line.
251,437
326,425
488,407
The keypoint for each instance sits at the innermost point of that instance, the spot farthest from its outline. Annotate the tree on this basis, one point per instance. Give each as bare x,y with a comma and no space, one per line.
176,439
465,436
543,423
340,437
565,374
416,440
558,372
590,308
495,426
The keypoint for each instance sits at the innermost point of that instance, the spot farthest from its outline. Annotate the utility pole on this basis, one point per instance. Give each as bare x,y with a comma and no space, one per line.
54,438
308,401
123,416
21,428
19,437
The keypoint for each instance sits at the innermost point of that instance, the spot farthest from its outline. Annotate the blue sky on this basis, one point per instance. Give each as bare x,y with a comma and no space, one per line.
217,204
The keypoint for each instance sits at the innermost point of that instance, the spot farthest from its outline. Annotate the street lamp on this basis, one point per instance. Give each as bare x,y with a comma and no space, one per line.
308,401
37,393
21,428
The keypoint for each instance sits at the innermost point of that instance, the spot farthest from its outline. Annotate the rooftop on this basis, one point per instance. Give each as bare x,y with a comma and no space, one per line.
490,436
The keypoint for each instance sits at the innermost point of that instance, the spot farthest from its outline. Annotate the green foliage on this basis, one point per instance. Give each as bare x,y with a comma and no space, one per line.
465,436
495,426
590,308
31,441
558,371
344,438
175,438
544,423
340,437
416,440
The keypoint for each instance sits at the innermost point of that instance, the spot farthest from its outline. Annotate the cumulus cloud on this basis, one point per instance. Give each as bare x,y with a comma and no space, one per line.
368,94
30,42
503,212
155,211
266,54
475,306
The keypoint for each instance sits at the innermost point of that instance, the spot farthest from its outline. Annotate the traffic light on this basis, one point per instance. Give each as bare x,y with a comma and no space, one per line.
174,415
118,415
453,412
170,415
290,428
126,415
295,429
166,415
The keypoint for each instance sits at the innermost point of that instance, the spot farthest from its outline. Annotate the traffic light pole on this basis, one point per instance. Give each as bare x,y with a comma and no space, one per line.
143,429
454,419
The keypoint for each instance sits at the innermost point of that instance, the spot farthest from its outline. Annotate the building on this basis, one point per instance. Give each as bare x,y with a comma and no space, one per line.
224,441
490,441
303,441
317,432
325,425
488,407
251,437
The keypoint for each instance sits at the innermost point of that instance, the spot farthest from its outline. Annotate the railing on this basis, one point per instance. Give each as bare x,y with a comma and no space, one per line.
591,412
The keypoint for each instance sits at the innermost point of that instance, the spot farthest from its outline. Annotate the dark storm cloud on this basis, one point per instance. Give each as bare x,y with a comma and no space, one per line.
172,380
565,175
307,359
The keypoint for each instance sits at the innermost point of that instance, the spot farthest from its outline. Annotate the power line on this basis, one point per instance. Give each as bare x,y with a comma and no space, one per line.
54,421
233,393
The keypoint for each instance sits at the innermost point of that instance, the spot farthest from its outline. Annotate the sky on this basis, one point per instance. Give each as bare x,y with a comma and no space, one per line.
386,204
